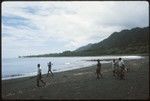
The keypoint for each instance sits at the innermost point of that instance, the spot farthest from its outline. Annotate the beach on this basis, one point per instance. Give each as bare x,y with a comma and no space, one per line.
82,84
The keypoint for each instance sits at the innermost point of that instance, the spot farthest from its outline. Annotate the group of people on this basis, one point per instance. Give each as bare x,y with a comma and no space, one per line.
119,69
39,73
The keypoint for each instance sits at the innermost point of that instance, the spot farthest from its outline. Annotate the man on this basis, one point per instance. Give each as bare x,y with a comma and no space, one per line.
39,76
114,68
123,69
49,69
98,69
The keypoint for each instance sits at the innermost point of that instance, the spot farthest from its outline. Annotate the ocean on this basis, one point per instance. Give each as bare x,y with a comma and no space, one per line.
24,67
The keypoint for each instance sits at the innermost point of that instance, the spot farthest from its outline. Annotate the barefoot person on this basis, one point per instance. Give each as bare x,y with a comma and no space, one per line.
114,68
122,69
49,68
39,76
98,69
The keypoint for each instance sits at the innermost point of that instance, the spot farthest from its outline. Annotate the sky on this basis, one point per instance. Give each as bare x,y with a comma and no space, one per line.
31,28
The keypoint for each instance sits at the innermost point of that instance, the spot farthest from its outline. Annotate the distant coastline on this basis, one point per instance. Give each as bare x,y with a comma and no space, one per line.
143,54
125,42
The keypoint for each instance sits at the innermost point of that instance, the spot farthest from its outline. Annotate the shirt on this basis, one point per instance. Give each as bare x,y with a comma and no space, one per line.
99,64
39,71
49,63
114,65
121,63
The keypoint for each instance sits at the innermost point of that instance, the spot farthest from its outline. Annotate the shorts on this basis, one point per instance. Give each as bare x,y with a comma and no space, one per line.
98,70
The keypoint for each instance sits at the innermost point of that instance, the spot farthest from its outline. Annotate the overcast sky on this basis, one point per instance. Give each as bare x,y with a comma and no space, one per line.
52,27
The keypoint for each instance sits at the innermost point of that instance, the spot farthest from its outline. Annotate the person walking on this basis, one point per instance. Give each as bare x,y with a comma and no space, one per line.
122,68
114,68
39,76
49,69
98,69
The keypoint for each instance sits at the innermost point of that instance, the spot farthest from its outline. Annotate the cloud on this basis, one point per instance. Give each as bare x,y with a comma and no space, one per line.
48,27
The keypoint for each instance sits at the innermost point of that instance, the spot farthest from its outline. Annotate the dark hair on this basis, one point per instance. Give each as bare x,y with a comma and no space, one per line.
98,60
119,58
38,65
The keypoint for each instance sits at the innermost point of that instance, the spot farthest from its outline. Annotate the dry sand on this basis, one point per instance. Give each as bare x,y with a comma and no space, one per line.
82,84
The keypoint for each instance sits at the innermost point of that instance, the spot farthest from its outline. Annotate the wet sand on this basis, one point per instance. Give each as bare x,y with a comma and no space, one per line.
82,84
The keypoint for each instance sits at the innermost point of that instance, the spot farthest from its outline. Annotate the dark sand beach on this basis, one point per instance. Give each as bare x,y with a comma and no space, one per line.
82,84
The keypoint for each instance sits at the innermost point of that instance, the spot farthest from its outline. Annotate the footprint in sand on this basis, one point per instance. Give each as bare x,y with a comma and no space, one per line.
78,93
20,92
36,88
47,84
77,87
33,89
10,94
130,90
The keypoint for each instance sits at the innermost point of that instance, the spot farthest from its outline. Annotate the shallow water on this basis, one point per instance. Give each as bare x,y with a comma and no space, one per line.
23,67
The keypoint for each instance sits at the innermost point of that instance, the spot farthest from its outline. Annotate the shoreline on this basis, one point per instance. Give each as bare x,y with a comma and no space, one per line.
82,84
56,73
16,76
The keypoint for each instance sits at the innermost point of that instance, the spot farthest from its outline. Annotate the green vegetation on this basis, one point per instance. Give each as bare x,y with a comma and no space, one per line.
134,41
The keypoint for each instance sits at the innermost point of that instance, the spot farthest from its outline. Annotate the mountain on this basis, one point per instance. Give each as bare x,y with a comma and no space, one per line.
83,48
134,41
